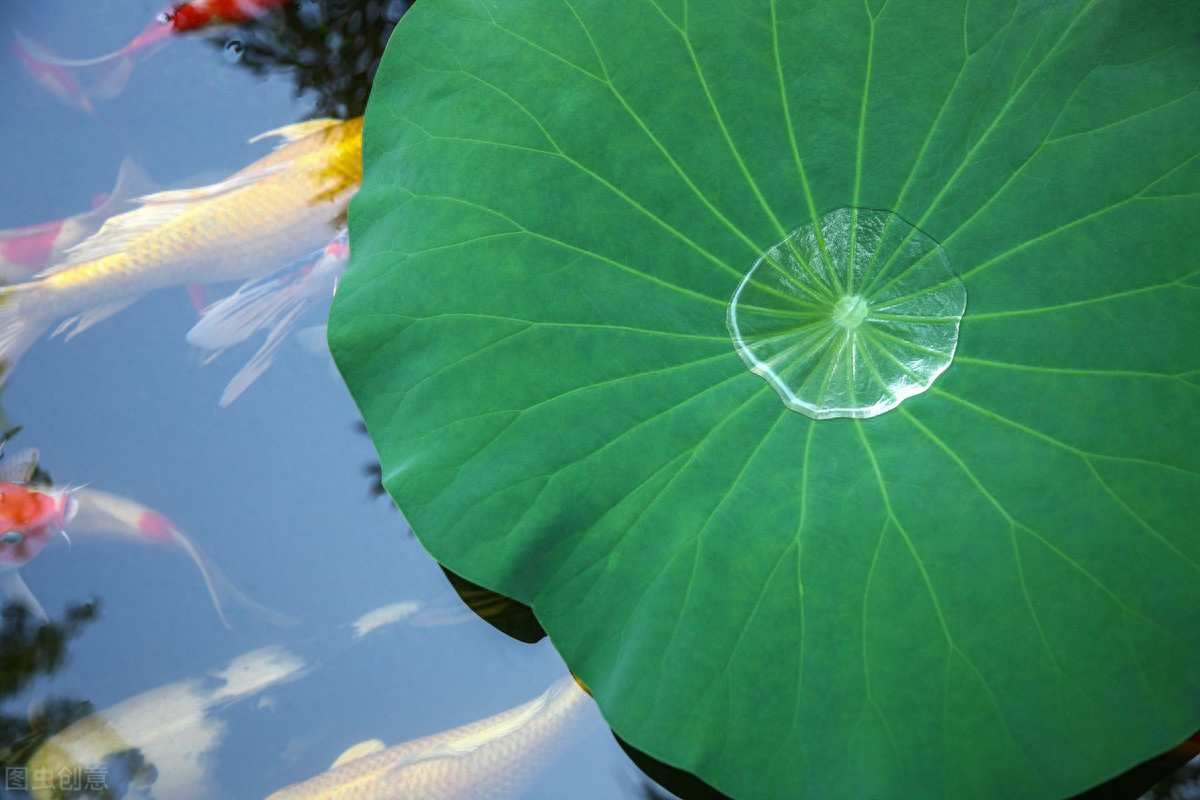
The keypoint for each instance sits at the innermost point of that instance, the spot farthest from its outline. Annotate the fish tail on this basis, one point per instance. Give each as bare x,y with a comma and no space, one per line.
272,305
20,325
221,589
101,513
76,81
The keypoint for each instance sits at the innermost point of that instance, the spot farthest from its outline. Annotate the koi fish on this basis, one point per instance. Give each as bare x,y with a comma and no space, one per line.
28,250
282,206
160,740
31,516
103,515
273,305
494,758
202,13
29,519
80,81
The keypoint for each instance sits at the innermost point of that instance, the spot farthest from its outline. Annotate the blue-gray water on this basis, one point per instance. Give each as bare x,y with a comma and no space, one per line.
272,487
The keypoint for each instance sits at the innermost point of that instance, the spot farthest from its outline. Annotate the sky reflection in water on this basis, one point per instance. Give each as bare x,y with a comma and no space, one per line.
272,487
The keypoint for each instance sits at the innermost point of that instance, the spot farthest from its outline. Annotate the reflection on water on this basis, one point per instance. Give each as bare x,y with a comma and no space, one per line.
269,487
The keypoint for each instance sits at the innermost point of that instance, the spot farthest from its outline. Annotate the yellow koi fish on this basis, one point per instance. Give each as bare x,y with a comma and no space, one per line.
494,758
267,215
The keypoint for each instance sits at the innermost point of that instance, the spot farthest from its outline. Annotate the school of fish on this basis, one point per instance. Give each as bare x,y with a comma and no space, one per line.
287,209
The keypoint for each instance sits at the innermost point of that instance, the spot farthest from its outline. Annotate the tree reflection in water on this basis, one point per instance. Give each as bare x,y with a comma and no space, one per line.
30,649
328,48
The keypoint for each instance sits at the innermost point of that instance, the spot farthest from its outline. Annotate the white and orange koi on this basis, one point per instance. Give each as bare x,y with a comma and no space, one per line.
277,209
33,515
30,517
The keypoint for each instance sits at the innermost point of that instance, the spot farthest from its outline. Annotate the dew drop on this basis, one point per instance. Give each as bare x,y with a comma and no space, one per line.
234,50
848,317
11,537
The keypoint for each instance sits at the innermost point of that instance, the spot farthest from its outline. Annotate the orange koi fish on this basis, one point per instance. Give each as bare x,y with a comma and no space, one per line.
32,515
80,81
26,251
202,13
29,519
273,305
282,206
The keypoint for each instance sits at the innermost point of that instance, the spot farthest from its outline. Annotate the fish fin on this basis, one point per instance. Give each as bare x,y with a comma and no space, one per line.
78,80
101,513
111,80
198,295
132,182
234,319
275,305
18,467
238,180
81,322
360,750
120,231
297,131
45,55
14,586
20,324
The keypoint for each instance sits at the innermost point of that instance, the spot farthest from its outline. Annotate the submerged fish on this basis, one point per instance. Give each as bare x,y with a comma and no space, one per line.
31,516
494,758
272,304
163,737
81,81
28,250
277,209
203,13
104,515
384,615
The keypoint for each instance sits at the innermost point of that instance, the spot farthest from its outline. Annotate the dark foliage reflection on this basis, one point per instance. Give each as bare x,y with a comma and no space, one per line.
328,48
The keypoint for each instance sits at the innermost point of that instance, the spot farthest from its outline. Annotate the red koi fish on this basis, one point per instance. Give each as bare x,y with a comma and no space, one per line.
202,13
29,519
81,81
32,515
26,251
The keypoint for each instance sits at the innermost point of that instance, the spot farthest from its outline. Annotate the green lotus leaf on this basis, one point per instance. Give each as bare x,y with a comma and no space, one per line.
965,560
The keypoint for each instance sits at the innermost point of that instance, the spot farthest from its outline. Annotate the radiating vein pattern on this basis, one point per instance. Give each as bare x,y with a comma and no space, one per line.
850,320
564,236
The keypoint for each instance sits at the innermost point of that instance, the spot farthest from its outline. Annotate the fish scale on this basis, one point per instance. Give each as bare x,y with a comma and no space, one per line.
491,759
261,218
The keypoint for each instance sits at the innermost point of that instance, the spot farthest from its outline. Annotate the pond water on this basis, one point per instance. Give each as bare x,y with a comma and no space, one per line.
273,488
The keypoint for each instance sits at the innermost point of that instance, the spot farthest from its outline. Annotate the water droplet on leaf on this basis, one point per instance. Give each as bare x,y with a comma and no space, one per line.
848,317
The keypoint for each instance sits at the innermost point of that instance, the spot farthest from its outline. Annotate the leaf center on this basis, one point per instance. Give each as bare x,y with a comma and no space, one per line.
848,317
